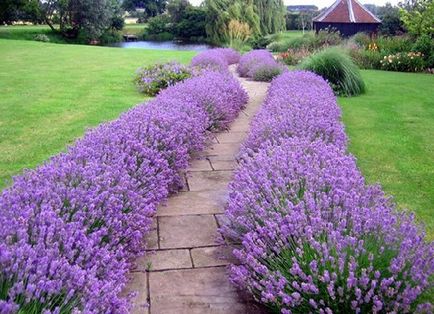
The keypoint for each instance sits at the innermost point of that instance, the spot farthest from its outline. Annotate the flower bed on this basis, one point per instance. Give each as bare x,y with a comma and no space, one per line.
71,227
314,236
259,65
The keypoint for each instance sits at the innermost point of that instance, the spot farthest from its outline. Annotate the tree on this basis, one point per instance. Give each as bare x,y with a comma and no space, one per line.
151,8
418,17
19,10
271,15
391,23
90,18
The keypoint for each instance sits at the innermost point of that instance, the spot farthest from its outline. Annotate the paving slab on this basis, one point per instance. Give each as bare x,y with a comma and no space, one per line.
209,180
224,164
187,231
195,291
138,285
231,137
194,203
151,240
200,165
164,259
225,149
212,256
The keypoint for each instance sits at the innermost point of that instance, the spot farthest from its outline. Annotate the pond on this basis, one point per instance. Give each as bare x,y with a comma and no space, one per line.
162,45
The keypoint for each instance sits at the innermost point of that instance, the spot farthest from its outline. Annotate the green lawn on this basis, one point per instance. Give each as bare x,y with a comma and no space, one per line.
391,129
51,93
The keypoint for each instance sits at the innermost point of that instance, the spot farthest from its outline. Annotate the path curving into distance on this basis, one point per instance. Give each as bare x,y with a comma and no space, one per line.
185,271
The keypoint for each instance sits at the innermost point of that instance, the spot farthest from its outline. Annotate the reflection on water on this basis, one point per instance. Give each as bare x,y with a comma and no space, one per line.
162,45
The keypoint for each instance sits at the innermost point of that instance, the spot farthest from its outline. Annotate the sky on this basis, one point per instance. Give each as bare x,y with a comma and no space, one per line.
321,3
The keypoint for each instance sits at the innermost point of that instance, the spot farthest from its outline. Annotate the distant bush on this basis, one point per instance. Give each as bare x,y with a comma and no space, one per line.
394,44
159,28
217,59
338,69
266,71
425,45
151,79
293,56
259,42
403,62
311,42
366,59
42,37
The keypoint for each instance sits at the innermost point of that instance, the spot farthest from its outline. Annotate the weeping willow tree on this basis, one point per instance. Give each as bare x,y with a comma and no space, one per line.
262,17
272,15
223,15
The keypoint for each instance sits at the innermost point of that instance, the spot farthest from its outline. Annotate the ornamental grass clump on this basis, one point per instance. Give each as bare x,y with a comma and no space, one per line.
338,69
315,238
153,78
71,227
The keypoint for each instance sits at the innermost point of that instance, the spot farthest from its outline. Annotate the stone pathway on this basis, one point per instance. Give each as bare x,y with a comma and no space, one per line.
185,273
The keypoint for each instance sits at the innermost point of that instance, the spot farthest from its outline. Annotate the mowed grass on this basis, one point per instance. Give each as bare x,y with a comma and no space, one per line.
391,130
51,93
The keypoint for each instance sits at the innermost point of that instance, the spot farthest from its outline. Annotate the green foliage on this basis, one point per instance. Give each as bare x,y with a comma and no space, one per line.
19,10
418,17
153,78
42,37
221,12
425,45
394,44
259,42
403,62
294,56
391,23
366,59
159,28
309,41
337,68
150,7
299,21
271,15
192,23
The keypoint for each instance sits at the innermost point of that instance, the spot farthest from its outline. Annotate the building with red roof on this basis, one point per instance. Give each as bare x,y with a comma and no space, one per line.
348,17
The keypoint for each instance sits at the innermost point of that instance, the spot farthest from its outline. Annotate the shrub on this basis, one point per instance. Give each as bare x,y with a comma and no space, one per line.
71,227
361,39
159,28
425,45
266,71
259,63
218,58
151,79
366,59
338,69
42,37
403,62
394,44
314,236
309,41
293,56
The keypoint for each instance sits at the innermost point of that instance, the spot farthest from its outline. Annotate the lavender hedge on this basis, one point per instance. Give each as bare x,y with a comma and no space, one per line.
259,65
71,227
315,238
217,59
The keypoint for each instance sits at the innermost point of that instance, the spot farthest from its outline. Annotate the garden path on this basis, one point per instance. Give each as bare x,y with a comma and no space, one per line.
186,273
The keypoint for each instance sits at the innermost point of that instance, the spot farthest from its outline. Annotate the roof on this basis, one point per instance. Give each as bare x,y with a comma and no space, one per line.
347,11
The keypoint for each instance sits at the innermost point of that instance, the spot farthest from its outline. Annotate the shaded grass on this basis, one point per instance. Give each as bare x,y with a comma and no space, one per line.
391,131
51,93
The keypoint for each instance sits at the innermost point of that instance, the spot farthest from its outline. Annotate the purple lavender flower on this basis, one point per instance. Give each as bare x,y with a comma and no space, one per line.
314,236
71,227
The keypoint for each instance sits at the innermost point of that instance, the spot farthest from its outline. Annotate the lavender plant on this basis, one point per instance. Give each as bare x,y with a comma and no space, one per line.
315,238
153,78
259,65
217,59
71,227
